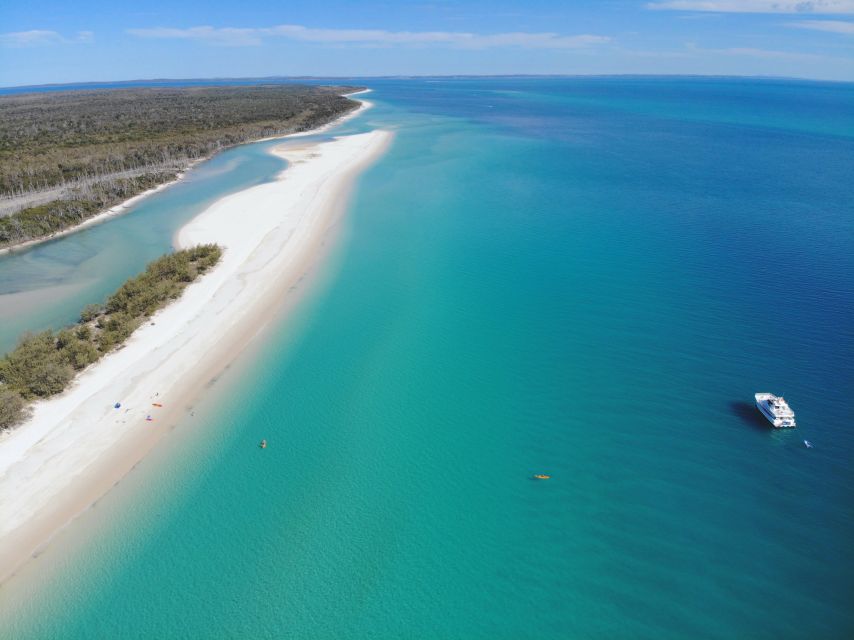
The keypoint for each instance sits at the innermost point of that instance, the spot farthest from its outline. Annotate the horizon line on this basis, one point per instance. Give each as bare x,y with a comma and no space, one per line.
426,76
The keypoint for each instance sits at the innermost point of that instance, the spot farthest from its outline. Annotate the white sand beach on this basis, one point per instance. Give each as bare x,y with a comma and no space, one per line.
77,445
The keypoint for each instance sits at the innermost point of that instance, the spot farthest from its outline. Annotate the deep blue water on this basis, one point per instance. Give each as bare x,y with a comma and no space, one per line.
582,277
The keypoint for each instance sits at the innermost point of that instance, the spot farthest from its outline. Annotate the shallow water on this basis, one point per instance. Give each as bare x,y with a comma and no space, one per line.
585,278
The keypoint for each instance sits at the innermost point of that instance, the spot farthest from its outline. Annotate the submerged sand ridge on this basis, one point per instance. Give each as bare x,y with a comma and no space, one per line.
53,467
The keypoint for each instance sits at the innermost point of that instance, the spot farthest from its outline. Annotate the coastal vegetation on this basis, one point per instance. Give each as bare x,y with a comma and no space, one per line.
43,364
66,156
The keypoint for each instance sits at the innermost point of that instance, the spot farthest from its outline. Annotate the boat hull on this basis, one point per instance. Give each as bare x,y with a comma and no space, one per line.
777,423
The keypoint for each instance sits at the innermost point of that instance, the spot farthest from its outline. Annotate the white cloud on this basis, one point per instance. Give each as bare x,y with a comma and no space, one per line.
834,26
751,52
224,36
757,6
41,38
376,37
33,38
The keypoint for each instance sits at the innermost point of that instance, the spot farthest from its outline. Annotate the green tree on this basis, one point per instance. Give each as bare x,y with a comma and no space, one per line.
36,368
12,408
90,312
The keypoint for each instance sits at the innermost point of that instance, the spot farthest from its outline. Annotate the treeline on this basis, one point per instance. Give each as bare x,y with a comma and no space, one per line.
53,139
43,364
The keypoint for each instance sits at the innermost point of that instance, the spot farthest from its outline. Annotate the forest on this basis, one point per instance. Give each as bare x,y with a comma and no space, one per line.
66,156
43,364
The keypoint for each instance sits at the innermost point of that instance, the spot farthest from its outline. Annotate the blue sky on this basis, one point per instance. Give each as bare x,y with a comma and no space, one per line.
45,41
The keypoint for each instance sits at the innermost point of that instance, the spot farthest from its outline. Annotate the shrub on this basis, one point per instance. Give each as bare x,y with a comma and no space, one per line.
80,353
90,312
13,409
36,368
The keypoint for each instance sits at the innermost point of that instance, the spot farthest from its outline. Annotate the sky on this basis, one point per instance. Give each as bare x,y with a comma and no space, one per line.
59,41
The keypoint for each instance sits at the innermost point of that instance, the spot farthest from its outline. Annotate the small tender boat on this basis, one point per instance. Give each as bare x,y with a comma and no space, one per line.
541,476
263,444
808,444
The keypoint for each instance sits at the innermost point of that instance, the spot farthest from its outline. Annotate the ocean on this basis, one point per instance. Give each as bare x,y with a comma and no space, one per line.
583,277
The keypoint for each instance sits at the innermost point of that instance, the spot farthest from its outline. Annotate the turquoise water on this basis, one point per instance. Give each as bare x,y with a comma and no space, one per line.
586,278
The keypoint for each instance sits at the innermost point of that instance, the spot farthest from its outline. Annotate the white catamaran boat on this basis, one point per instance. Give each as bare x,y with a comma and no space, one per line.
776,410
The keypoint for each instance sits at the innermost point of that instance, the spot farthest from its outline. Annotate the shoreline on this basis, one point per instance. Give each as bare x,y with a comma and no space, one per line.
364,105
72,452
103,216
124,206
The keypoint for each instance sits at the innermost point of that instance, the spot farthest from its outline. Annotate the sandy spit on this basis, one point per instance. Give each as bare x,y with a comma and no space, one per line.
77,445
